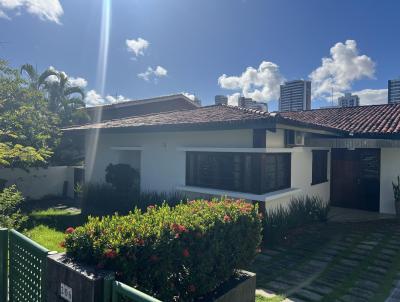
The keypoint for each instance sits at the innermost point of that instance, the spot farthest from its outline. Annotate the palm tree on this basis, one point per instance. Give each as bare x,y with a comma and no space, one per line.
37,80
64,98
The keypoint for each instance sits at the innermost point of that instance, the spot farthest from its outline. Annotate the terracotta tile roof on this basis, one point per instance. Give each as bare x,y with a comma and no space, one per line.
375,119
198,116
363,120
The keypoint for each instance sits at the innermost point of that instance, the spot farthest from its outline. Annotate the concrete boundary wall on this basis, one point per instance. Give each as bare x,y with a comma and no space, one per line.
36,183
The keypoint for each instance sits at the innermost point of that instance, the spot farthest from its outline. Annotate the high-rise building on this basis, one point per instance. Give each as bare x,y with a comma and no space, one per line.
349,100
249,103
221,100
394,91
295,96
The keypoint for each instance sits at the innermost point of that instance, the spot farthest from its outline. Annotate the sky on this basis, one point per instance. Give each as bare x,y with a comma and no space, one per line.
120,50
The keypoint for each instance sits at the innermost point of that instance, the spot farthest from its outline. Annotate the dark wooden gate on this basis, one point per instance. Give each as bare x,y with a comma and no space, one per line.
355,178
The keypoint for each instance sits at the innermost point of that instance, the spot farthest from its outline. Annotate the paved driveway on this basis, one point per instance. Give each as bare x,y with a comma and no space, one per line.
347,262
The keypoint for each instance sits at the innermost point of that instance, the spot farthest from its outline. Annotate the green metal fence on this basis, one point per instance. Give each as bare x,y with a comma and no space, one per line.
3,265
23,266
119,292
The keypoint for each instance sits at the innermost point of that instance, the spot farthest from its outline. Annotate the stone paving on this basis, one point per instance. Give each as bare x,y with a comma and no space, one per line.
343,262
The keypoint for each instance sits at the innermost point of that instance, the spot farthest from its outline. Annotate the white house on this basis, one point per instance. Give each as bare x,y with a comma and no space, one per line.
349,156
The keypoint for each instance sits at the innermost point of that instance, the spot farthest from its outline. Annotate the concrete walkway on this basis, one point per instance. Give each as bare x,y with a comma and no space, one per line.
343,262
353,215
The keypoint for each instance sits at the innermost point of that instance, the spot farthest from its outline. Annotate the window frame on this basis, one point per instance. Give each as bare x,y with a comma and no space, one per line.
319,155
248,165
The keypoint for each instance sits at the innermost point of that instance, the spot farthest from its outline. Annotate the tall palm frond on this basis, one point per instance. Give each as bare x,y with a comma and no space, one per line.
44,76
74,89
31,72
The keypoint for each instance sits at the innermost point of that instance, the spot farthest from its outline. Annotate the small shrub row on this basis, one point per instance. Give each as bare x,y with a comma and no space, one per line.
301,211
174,253
103,199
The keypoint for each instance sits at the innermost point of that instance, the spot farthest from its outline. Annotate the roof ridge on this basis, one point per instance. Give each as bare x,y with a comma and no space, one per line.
250,110
142,100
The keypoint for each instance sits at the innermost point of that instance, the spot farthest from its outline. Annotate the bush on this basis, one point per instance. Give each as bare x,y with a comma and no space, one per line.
10,215
173,253
123,178
148,198
301,211
98,199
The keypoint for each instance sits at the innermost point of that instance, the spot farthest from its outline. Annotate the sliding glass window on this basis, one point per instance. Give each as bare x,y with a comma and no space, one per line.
256,173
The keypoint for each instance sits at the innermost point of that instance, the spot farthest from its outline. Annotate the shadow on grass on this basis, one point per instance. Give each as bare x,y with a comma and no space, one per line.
58,219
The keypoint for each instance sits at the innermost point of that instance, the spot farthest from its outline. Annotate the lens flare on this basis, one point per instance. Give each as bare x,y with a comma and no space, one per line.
102,64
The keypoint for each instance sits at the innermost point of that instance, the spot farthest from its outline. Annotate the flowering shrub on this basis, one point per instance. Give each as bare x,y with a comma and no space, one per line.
174,253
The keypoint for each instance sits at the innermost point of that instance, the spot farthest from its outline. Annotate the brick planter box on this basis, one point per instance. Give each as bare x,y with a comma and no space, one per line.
69,281
241,288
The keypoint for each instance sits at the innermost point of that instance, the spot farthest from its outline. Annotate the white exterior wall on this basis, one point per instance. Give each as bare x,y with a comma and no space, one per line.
163,166
390,169
36,183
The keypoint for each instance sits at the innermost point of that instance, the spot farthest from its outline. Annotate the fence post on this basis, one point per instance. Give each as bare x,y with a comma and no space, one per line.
3,265
108,288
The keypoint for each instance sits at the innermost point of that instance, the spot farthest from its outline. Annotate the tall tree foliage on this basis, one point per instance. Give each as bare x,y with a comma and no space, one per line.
66,101
28,130
64,98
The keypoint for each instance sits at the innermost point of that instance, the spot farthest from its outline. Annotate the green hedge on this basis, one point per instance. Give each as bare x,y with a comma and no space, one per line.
172,253
301,211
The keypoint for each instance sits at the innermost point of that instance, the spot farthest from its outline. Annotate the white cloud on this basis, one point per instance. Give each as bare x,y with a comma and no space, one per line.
189,95
137,46
78,81
372,96
233,99
341,69
261,84
150,73
47,10
95,99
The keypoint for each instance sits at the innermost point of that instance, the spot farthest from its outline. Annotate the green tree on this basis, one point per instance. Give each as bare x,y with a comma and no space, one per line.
65,99
28,130
37,80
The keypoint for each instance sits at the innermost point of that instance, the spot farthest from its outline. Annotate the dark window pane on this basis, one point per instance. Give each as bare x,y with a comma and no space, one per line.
319,166
242,172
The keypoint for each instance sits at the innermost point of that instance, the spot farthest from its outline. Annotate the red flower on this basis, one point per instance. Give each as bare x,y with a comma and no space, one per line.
191,288
70,230
62,244
110,254
227,218
178,228
154,258
140,242
185,253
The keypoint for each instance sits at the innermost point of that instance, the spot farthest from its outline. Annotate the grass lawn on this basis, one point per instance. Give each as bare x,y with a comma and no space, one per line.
47,226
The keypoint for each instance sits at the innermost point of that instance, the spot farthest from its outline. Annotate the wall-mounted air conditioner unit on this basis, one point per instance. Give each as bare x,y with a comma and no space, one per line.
294,138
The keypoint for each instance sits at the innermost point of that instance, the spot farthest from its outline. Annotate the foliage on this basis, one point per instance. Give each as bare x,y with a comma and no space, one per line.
66,101
122,177
174,253
10,215
98,199
300,212
28,130
148,198
396,189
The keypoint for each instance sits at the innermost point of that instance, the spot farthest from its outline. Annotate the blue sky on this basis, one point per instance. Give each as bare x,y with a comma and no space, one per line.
188,45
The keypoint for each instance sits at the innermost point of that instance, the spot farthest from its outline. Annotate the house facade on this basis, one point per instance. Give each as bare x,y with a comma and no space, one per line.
348,156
